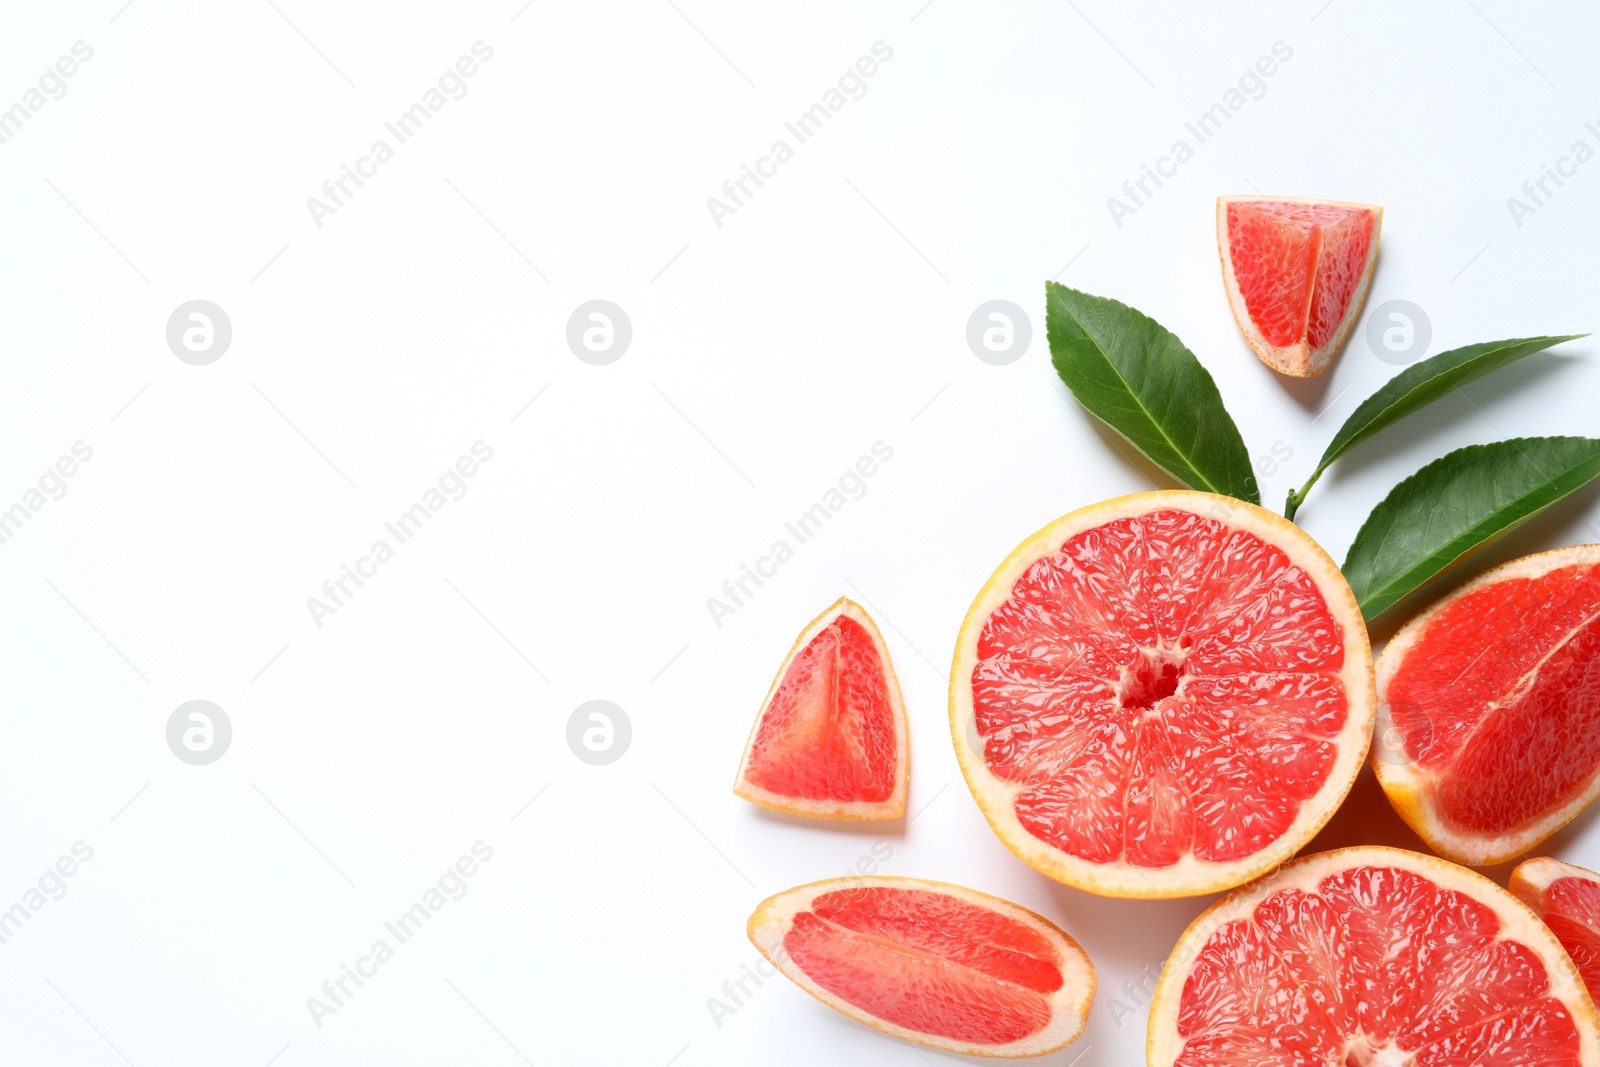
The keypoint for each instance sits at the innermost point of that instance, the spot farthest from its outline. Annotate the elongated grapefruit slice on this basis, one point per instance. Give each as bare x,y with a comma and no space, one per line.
1296,272
1162,695
1567,898
1371,957
933,963
1489,708
830,741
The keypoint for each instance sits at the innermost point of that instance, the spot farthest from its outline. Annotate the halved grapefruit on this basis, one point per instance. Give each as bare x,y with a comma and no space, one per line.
937,964
1567,898
830,741
1489,708
1371,957
1162,695
1296,272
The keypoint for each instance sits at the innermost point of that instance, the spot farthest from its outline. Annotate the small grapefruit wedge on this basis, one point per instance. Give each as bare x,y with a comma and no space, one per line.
830,742
1489,708
1567,898
1296,272
1371,957
933,963
1162,695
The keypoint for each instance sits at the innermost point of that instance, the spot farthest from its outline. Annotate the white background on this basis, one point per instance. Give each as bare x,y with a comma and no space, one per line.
768,354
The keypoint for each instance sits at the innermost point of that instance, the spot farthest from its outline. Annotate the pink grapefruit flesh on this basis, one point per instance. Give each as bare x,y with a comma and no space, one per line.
1567,898
830,741
932,963
1162,695
1371,957
1296,272
1489,708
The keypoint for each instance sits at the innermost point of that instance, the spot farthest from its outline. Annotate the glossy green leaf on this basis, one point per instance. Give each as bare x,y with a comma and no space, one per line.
1455,504
1137,377
1415,387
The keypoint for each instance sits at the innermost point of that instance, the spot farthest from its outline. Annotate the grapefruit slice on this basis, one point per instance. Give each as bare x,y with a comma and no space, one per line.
830,742
933,963
1567,898
1371,957
1489,708
1296,272
1162,695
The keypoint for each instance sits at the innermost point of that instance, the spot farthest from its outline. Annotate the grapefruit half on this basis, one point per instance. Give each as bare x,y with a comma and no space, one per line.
1371,957
1567,898
830,742
1296,272
933,963
1162,695
1489,708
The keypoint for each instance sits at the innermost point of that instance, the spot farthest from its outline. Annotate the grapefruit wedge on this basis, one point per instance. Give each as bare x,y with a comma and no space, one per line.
1162,695
1489,708
933,963
1296,272
830,742
1567,898
1371,957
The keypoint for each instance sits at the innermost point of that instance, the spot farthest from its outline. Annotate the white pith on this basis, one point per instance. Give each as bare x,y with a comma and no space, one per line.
892,808
1069,1004
1518,923
1190,876
1409,786
1299,360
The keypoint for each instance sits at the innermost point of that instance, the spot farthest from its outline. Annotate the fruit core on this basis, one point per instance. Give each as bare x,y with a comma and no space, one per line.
1151,678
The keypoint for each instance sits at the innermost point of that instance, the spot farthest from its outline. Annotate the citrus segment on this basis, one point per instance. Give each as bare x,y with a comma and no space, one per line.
1371,957
1296,272
1489,708
830,741
933,963
1567,898
1162,695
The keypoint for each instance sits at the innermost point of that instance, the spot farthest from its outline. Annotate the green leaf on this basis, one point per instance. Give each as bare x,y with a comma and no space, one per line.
1416,387
1455,504
1133,374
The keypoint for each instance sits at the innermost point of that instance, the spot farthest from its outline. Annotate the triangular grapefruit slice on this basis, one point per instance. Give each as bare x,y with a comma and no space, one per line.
1162,695
1371,957
1567,898
830,741
1489,708
1296,272
933,963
